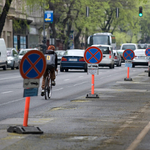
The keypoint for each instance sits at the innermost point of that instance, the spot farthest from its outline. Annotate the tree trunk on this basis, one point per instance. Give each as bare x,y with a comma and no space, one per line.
4,14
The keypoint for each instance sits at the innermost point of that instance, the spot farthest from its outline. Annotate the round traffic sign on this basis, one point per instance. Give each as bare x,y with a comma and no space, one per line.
128,54
32,65
93,55
147,52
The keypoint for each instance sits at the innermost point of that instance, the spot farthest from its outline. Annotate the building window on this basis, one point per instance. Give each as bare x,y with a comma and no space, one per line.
22,42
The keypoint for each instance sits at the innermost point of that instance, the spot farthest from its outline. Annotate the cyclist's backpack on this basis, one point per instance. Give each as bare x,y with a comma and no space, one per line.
50,59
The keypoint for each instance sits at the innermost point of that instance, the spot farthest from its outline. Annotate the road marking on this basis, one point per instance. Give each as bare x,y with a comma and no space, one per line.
58,89
139,138
80,76
66,79
11,102
10,78
80,83
7,92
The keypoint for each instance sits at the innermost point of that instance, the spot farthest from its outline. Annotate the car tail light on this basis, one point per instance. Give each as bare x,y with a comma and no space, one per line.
109,54
63,59
81,59
115,57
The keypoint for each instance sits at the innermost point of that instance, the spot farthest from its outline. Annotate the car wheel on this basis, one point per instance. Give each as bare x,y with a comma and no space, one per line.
85,70
5,67
111,66
61,69
66,70
149,73
133,65
12,68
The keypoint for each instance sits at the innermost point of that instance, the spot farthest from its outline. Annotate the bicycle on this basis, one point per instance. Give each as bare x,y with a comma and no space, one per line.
48,86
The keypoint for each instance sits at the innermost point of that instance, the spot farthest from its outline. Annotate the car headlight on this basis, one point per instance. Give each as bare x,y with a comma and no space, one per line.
9,58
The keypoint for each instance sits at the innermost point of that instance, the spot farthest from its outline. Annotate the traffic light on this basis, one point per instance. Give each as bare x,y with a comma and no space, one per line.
140,11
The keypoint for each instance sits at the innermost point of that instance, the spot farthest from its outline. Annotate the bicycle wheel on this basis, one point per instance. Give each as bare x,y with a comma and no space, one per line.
48,89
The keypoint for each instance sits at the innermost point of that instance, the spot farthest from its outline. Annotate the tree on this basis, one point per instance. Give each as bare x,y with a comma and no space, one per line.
4,14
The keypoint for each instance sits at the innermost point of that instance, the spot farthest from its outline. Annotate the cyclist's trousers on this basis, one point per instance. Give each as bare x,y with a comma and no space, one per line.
52,73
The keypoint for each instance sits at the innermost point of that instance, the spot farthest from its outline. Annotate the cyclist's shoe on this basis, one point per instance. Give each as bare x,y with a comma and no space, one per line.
42,93
53,83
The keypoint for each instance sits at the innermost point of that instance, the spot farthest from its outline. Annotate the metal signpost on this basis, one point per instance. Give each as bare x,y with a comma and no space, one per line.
93,56
128,55
147,53
32,67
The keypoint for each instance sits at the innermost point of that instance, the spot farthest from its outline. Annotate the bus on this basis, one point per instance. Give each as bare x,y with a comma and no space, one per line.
102,39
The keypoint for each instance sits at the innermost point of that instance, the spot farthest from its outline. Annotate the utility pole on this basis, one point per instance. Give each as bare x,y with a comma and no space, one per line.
86,34
44,37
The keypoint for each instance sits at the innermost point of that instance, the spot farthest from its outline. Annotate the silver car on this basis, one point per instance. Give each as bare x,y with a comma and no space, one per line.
117,58
140,58
59,53
12,58
108,56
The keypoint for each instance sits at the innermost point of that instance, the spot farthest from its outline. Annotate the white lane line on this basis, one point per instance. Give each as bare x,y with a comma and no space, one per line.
79,83
139,138
10,78
66,79
11,102
58,89
80,76
7,92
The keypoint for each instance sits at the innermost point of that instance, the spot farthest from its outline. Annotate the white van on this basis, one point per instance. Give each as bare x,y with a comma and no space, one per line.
3,54
108,56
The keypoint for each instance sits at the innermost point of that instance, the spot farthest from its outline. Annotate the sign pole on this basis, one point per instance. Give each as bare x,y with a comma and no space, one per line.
92,88
127,72
26,112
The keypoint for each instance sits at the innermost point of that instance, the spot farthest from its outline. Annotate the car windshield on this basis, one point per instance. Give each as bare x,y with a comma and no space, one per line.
105,50
142,46
124,47
74,53
60,53
22,52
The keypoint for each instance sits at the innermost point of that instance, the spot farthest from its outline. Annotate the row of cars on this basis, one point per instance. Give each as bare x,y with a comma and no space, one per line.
139,51
74,58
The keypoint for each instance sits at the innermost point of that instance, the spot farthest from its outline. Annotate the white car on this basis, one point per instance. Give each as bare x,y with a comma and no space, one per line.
108,56
140,58
12,58
22,52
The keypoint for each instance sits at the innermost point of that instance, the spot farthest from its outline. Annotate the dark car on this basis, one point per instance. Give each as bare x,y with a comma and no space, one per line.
117,58
73,59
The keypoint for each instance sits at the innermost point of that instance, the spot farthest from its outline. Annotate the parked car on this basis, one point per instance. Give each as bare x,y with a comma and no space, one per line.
22,52
108,56
143,46
12,58
140,58
59,53
73,59
117,58
3,54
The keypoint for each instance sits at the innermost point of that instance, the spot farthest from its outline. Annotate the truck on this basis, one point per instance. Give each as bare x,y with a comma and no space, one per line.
125,46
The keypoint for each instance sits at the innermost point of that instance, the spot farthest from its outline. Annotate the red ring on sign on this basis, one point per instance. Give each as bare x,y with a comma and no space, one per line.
26,57
98,50
128,54
147,51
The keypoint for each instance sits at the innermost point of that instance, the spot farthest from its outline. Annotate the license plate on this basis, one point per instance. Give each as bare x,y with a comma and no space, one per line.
141,57
72,59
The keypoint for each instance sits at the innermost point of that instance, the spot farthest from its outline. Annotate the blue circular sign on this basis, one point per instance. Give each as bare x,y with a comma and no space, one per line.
128,54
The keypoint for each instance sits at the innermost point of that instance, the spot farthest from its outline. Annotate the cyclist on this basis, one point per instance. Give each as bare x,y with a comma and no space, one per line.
52,70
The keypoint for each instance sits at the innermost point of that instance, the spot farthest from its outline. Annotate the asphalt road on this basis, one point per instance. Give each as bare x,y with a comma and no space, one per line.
71,121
